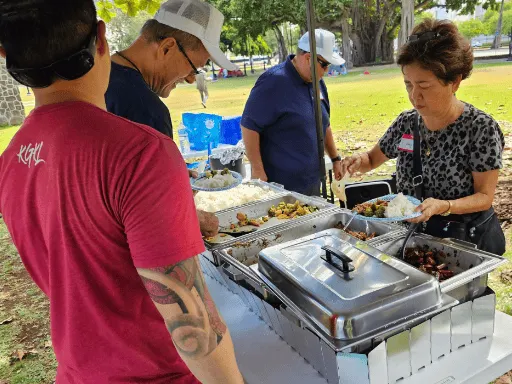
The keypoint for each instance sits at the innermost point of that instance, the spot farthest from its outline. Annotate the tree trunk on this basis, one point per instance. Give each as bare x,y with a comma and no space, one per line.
346,48
407,22
283,52
378,39
388,48
290,33
497,36
357,50
12,111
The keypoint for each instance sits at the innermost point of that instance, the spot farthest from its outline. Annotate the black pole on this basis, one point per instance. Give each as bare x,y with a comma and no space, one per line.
310,12
510,46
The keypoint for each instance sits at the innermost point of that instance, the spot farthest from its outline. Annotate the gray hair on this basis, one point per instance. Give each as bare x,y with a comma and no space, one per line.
154,31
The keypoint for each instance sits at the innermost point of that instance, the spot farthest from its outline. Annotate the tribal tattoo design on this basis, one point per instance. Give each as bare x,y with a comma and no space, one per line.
199,328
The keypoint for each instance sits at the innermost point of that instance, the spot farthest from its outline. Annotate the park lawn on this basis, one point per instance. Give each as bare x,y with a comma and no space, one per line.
362,105
359,103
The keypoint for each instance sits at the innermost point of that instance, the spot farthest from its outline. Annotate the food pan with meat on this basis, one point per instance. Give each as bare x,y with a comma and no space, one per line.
262,215
461,269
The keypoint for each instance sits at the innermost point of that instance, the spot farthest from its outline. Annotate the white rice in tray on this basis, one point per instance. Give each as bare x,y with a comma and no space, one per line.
217,181
243,194
400,206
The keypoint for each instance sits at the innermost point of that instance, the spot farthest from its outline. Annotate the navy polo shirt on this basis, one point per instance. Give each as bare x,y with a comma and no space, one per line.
129,96
281,109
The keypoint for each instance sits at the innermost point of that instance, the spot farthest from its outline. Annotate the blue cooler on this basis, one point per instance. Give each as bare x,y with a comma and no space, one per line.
230,130
202,129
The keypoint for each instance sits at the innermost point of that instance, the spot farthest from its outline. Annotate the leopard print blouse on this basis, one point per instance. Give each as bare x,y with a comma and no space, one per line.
473,143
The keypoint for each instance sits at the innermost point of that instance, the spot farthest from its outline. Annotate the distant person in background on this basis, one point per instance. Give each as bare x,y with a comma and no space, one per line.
202,86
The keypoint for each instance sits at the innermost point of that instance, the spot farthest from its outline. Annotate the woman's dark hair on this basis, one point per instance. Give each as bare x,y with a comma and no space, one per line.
36,33
438,46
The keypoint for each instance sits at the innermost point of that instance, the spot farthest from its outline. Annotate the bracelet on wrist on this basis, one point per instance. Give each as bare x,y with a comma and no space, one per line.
448,211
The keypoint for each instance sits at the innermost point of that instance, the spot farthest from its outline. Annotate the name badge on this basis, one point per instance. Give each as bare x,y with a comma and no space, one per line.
406,144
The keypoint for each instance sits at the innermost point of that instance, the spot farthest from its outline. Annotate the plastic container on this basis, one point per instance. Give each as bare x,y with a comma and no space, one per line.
202,129
183,139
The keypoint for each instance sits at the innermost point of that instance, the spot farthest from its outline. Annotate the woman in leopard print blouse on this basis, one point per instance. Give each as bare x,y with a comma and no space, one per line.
461,146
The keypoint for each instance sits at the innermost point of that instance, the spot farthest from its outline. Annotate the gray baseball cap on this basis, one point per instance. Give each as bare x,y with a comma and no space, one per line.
199,19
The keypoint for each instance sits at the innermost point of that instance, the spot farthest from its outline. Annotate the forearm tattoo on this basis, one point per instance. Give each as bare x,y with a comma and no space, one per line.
199,328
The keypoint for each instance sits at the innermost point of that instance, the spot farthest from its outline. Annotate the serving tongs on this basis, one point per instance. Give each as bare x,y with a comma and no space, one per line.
410,232
237,232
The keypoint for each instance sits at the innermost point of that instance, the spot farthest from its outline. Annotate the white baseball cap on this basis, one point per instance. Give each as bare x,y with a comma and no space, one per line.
199,19
325,43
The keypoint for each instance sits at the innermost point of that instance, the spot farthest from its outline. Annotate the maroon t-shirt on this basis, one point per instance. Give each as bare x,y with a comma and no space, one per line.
87,197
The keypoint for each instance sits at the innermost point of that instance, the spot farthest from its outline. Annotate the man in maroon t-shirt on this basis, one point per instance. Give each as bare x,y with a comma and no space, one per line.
101,213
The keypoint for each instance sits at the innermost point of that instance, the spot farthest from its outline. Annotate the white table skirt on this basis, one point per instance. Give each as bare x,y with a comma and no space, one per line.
264,358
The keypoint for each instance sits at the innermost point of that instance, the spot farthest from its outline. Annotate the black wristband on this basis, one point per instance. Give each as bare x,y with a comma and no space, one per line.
335,159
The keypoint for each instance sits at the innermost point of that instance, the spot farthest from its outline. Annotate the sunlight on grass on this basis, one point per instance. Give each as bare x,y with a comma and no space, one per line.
366,104
6,135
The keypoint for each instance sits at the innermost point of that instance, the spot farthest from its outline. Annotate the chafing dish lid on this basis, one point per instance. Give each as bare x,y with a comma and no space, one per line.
343,284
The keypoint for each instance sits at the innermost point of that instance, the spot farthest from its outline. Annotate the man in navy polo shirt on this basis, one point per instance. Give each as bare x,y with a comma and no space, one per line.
278,123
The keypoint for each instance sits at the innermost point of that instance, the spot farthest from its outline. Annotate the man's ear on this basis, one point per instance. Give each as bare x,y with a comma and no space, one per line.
167,45
101,39
2,52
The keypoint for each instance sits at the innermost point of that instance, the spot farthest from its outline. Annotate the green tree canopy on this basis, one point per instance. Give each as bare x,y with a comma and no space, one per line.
107,8
491,19
123,30
471,28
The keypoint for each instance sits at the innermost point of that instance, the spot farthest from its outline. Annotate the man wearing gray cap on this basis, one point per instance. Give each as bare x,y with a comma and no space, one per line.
278,123
181,38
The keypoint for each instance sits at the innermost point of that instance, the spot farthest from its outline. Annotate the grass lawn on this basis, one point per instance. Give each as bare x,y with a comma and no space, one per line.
362,104
362,108
365,104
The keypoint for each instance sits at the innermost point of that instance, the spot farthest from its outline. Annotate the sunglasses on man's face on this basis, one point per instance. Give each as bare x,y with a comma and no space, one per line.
323,64
70,68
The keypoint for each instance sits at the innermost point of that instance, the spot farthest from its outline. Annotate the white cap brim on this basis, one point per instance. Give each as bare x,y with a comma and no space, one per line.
335,59
218,56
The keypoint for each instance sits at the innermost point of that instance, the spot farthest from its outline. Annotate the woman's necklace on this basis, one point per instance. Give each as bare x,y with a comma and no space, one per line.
426,139
136,68
430,143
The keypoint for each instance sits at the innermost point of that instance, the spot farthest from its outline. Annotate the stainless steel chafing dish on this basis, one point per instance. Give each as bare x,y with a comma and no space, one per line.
242,254
405,338
347,289
471,266
259,209
278,189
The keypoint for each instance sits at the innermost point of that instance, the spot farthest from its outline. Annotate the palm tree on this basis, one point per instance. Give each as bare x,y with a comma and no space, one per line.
497,36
